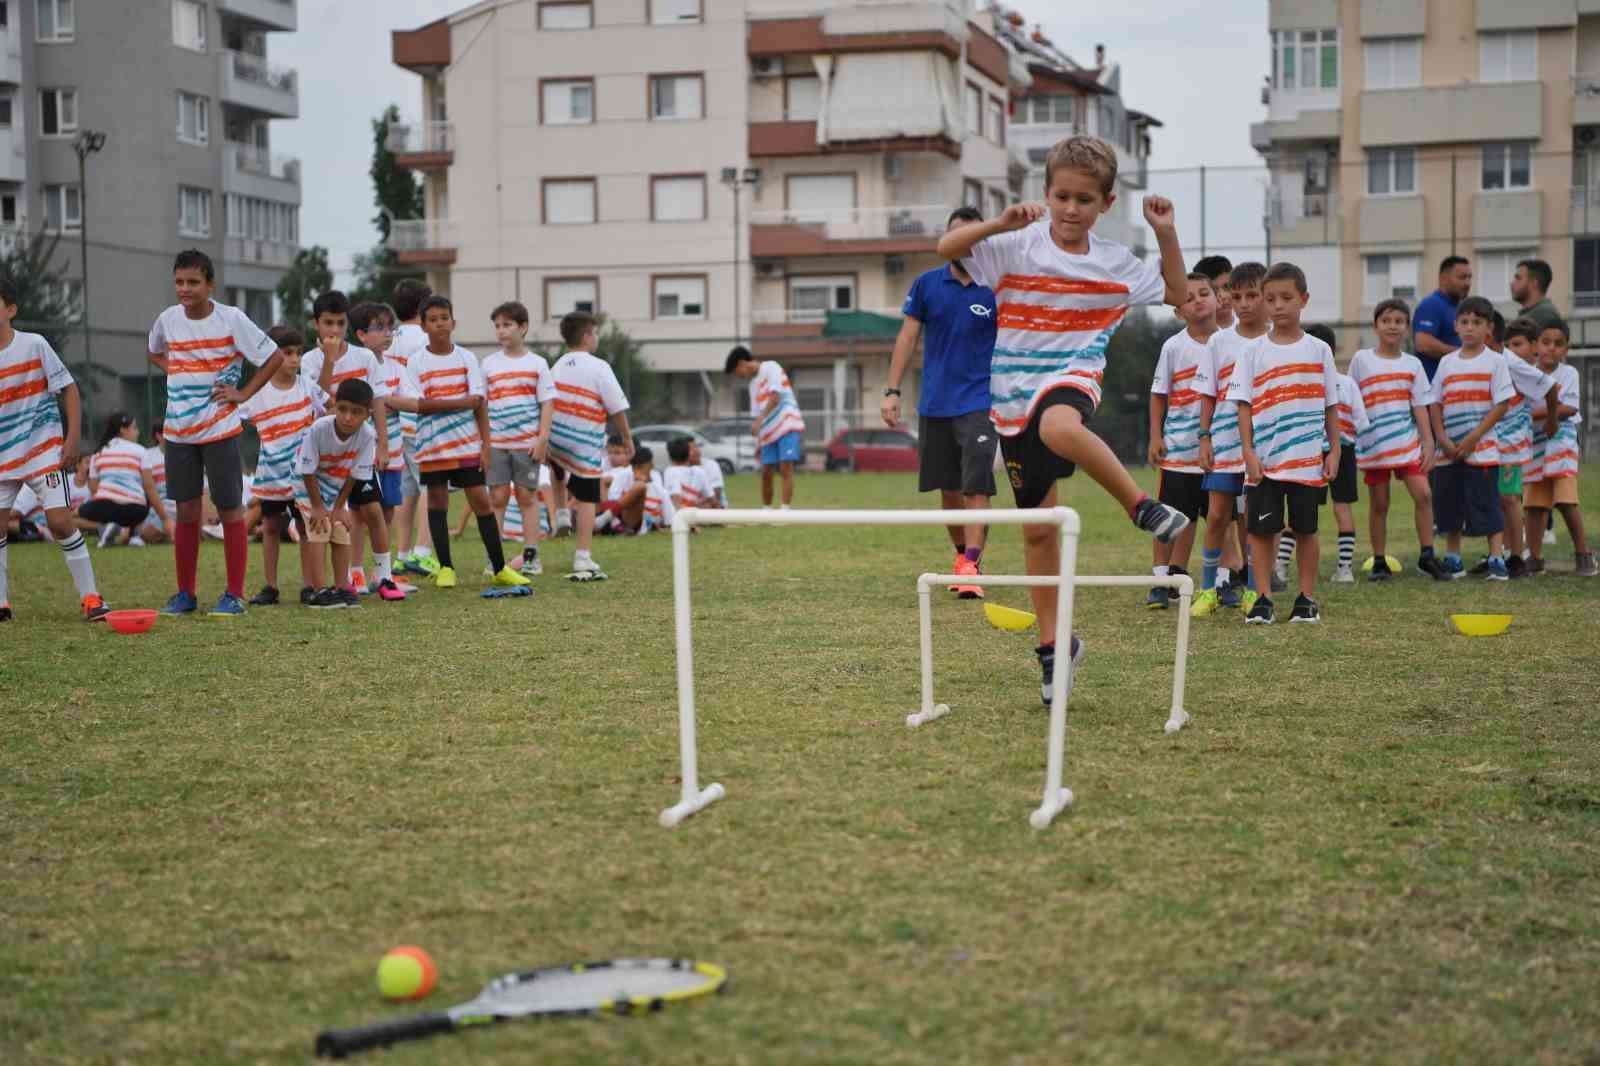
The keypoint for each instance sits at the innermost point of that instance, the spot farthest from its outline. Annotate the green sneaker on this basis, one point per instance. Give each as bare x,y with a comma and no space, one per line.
1204,604
1247,599
428,562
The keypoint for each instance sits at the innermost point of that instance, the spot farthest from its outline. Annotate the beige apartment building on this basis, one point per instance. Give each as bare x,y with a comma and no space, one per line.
702,171
1402,131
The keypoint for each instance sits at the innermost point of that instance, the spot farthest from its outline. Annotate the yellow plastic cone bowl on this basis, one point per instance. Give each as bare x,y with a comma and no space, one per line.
1007,618
1480,625
1394,564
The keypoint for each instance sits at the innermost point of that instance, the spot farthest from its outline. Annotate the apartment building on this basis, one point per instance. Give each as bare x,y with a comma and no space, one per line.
705,170
1401,131
182,96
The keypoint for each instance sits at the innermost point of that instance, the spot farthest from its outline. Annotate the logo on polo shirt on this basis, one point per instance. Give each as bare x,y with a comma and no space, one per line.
981,311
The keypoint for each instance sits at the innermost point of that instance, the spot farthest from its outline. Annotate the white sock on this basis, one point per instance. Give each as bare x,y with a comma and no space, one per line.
422,550
1161,571
77,553
1224,575
381,563
581,557
5,571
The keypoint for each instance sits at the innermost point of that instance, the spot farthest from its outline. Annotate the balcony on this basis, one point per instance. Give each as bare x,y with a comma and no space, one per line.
270,14
799,137
255,252
421,146
1453,114
1507,218
424,241
847,231
10,54
252,171
253,83
13,160
1304,126
1303,218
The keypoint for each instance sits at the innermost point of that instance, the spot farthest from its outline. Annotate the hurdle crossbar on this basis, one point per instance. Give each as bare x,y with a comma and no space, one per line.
693,798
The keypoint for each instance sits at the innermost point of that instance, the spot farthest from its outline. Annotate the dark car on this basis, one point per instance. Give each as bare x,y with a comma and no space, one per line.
872,449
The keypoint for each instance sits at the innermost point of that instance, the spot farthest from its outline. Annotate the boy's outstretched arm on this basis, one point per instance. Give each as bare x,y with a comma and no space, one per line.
1163,219
72,425
958,243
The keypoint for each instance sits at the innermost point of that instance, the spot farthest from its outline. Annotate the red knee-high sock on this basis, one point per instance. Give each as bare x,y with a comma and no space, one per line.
236,548
186,548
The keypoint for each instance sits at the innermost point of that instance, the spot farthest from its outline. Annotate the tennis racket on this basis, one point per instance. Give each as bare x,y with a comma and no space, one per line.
614,986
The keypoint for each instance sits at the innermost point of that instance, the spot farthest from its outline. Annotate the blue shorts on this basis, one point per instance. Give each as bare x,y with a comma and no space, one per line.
389,485
1233,484
786,449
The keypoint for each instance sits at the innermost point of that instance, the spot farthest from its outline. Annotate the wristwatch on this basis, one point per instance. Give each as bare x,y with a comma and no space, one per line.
1204,433
891,392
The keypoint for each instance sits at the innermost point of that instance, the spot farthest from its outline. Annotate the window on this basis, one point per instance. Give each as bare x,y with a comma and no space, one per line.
566,16
5,109
1391,276
1305,59
678,198
55,20
566,103
1507,166
972,100
997,120
677,96
817,197
189,25
63,207
679,297
673,12
5,14
802,98
1051,109
810,299
8,209
58,112
997,203
194,211
194,119
569,201
1394,63
1586,272
1492,272
971,194
562,296
1391,171
1508,56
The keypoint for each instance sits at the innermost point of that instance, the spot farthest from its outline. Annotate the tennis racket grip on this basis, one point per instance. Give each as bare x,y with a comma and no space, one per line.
337,1043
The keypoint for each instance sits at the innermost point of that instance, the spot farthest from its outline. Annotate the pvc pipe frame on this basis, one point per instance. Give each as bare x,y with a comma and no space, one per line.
693,798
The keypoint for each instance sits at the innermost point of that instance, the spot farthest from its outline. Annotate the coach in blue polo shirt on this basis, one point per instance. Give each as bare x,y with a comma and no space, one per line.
955,438
1434,324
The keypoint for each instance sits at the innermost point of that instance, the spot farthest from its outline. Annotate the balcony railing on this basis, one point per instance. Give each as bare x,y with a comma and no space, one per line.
422,234
1315,206
863,223
409,138
257,251
249,159
258,71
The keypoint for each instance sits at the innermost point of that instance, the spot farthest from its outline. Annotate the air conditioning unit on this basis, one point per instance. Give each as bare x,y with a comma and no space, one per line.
894,265
766,67
769,269
894,168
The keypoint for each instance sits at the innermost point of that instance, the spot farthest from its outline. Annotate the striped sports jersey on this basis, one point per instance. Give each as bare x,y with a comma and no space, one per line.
201,352
281,417
659,510
117,471
155,462
1352,412
1391,386
1561,452
1289,388
715,482
686,485
1227,455
1184,374
409,339
771,383
1465,389
355,364
587,393
30,421
1514,432
519,387
333,459
394,380
1056,313
446,439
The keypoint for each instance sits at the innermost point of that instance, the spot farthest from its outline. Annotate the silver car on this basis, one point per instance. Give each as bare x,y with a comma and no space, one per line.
725,452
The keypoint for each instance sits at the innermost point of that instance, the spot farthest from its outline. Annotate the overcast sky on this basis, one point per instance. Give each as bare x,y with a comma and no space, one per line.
1206,96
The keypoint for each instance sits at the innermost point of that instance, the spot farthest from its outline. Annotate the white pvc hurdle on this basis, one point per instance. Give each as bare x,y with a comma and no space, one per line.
1183,584
693,798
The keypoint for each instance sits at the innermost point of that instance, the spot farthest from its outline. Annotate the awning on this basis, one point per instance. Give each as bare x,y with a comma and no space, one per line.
884,95
860,324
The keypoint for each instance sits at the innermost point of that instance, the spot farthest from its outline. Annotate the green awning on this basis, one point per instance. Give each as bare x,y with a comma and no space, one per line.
860,324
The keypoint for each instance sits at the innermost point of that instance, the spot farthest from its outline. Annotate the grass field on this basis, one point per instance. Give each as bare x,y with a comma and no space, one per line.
1376,842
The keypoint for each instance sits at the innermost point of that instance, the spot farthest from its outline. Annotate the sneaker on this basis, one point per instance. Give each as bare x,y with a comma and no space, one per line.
1516,567
1481,569
358,581
1495,570
181,603
444,577
531,566
267,597
405,587
408,564
1248,598
1229,595
228,606
108,534
348,596
1159,520
94,608
1305,610
1343,575
1280,578
427,563
1550,535
1453,570
389,591
586,570
1047,668
1429,564
136,541
1381,571
307,594
965,566
1158,598
508,578
1535,567
5,612
212,532
1586,566
1260,613
327,599
1204,604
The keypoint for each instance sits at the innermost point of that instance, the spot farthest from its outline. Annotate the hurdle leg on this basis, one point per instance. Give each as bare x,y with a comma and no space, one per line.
1057,797
929,710
1177,717
691,798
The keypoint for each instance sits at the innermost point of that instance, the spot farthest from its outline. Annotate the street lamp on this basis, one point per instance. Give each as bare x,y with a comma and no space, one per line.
735,180
87,143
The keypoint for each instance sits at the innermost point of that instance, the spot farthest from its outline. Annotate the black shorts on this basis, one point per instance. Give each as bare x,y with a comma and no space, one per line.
462,477
193,468
102,511
956,454
583,489
1032,467
1343,486
1466,499
281,513
368,491
1182,492
1265,504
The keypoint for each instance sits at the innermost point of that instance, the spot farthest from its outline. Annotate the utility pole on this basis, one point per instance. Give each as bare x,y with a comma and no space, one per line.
736,179
85,144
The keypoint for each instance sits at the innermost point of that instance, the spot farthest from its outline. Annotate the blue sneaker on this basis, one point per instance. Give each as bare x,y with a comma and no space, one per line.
1452,567
181,603
228,606
1497,570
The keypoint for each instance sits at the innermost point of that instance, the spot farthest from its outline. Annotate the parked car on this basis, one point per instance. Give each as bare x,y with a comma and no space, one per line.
872,449
656,437
735,433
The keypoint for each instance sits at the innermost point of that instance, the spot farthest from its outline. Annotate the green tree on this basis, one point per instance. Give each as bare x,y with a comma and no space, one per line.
307,277
649,394
1123,420
43,305
396,191
377,273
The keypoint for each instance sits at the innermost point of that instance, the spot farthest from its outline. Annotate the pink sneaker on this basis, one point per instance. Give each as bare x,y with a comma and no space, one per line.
388,590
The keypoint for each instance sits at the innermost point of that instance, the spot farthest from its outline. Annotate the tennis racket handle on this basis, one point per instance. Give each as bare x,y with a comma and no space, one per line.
337,1043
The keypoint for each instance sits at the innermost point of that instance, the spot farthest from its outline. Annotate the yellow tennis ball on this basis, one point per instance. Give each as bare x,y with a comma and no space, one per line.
406,972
